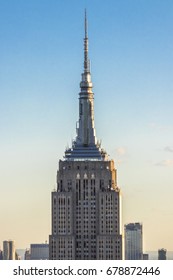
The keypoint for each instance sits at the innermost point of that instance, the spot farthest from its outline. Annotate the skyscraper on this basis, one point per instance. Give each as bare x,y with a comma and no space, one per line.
39,251
133,241
9,252
162,254
86,205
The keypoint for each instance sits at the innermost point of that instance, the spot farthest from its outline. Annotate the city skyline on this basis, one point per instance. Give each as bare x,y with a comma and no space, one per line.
131,54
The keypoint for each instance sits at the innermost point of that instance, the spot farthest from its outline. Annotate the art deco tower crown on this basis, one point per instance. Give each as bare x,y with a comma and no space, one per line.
86,145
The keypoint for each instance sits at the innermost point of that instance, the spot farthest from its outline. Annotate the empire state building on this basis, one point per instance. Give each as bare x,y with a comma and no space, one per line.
86,204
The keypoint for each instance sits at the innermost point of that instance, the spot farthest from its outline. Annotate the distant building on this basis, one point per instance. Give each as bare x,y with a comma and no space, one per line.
27,255
9,252
133,241
39,251
17,257
153,255
1,256
162,254
145,257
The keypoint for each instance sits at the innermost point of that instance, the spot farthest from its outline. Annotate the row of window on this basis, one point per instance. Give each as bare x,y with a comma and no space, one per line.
69,167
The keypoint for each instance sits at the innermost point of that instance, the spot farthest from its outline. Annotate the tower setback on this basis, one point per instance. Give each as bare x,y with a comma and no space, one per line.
86,204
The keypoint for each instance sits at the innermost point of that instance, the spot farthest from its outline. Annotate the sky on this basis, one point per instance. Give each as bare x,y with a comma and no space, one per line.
41,61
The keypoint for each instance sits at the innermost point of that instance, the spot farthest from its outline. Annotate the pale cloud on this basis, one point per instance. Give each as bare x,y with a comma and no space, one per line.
119,161
161,127
168,149
166,163
121,151
153,124
121,155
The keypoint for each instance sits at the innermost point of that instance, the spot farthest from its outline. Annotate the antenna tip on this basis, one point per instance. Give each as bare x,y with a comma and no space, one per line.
86,24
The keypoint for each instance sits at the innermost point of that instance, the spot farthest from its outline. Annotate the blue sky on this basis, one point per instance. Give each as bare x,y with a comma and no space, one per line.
41,60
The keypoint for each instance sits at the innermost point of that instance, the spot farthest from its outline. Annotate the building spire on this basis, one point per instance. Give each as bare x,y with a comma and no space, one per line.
86,146
86,25
86,60
86,132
